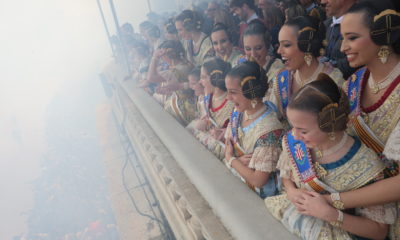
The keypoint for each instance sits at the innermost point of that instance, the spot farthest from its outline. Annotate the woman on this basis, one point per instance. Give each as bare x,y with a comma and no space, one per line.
257,42
300,42
211,128
223,47
173,89
254,132
318,155
197,44
198,89
373,92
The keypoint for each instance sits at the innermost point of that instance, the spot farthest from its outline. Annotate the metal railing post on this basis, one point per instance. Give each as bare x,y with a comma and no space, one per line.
122,43
106,28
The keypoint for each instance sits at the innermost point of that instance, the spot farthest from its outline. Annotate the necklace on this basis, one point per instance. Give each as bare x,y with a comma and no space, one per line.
333,149
377,87
254,115
311,78
220,98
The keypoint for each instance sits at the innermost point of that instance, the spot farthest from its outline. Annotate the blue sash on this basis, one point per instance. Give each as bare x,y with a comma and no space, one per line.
354,89
207,101
283,88
301,157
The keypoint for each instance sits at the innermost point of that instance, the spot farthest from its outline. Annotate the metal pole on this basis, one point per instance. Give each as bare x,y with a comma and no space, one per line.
124,52
149,6
106,27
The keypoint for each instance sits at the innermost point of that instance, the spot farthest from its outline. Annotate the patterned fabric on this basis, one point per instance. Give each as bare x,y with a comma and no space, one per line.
356,169
220,116
282,86
262,140
182,106
206,50
382,120
235,57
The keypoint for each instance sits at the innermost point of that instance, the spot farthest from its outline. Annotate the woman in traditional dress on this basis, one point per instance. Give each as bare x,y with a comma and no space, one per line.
254,131
222,42
173,89
300,42
257,45
197,44
319,156
197,87
211,128
371,32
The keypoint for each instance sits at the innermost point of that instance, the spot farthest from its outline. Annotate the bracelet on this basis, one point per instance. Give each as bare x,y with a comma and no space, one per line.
339,221
230,161
336,201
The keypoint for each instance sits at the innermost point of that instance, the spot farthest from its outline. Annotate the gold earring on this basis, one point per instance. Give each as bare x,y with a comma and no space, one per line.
308,59
332,136
383,54
294,135
253,103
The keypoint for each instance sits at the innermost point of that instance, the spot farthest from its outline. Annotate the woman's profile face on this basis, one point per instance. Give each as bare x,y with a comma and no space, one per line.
254,47
221,43
182,33
288,49
305,127
194,84
357,44
235,94
205,81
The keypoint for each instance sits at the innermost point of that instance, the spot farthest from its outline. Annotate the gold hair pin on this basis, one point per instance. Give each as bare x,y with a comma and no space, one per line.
246,79
385,13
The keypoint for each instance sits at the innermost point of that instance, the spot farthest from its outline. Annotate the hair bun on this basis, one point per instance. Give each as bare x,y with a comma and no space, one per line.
305,39
385,29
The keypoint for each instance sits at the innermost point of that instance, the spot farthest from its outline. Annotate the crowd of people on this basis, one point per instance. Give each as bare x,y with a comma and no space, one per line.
300,99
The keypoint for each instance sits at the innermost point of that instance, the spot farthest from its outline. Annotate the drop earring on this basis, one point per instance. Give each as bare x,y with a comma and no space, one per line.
308,59
253,103
383,54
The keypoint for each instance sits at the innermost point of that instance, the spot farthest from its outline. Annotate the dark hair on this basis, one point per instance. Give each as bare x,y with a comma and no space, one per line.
257,84
311,33
170,26
192,21
140,47
370,9
240,3
221,27
217,69
257,28
175,49
127,27
145,24
195,72
324,98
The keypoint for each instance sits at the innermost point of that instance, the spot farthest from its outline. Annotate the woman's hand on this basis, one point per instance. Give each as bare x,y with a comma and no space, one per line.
218,133
315,205
228,149
202,124
295,195
245,159
158,53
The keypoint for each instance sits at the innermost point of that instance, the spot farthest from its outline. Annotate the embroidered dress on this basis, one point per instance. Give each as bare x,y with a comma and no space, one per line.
272,70
359,167
378,125
282,86
262,140
234,58
205,50
180,104
217,118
